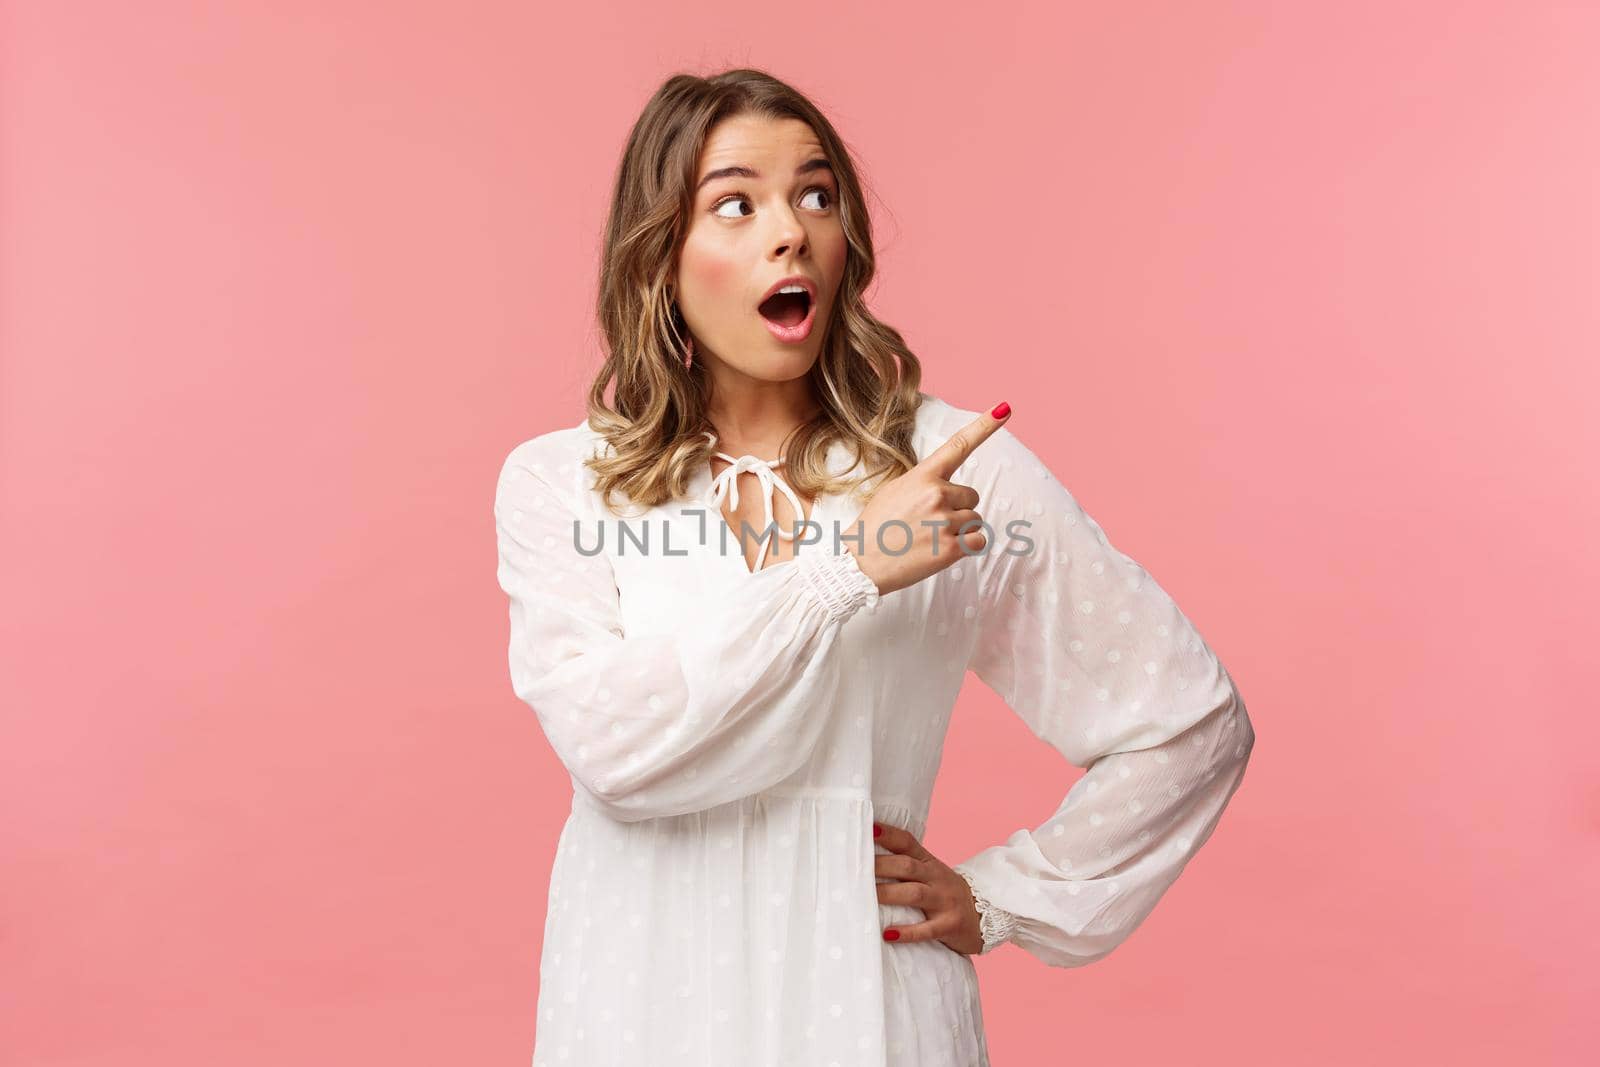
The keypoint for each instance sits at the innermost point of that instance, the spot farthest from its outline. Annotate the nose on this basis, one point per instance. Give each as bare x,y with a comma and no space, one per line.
790,238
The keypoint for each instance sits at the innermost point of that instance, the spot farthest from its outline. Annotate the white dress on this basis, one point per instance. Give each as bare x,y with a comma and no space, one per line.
731,736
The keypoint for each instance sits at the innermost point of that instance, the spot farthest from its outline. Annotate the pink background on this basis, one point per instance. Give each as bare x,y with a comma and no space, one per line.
1299,300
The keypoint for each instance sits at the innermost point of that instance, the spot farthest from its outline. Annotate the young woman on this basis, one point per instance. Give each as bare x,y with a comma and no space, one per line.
753,724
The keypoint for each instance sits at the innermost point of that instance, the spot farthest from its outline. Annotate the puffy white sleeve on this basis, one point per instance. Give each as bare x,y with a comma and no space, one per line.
1094,656
727,704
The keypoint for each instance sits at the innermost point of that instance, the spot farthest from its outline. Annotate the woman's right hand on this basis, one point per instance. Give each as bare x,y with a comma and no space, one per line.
925,494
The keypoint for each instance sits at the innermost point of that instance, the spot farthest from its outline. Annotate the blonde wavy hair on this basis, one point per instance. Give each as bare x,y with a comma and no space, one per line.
866,381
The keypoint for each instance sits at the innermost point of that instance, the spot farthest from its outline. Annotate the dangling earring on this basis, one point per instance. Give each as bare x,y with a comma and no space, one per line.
688,339
688,342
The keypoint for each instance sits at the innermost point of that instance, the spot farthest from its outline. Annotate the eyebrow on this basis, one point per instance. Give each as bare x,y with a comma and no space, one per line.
739,170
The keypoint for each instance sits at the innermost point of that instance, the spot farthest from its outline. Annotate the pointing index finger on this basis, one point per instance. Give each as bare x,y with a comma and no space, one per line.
947,457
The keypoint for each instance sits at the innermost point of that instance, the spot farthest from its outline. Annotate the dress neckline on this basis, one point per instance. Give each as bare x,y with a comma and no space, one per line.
724,485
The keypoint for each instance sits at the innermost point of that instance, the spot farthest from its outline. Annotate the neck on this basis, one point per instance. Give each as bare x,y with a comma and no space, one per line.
756,418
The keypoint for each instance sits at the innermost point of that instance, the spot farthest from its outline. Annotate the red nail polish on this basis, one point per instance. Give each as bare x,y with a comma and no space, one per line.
891,935
877,831
1001,410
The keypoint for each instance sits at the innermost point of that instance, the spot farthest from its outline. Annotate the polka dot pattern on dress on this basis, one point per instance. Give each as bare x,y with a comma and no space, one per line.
731,742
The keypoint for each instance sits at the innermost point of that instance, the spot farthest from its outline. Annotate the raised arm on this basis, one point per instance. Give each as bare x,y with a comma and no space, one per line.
1094,656
731,701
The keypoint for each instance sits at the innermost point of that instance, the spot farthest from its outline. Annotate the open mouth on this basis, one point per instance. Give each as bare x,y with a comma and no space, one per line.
787,309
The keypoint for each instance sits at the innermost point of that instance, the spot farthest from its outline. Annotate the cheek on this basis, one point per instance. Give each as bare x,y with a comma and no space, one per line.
832,255
706,272
832,251
839,253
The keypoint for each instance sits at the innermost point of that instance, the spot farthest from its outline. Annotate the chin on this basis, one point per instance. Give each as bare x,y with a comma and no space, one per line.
786,368
775,362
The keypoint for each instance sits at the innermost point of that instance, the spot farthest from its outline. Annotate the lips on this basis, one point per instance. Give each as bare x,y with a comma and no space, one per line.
789,316
788,309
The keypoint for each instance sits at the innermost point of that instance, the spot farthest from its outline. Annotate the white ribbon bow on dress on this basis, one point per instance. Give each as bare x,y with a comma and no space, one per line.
726,486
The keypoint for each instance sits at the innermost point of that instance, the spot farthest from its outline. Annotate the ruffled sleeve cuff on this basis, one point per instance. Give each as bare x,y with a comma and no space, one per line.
836,580
996,923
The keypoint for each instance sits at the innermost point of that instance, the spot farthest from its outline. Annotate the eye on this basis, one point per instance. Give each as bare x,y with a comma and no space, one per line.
716,209
735,198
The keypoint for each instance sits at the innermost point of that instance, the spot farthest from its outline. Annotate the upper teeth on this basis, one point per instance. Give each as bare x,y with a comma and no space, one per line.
792,289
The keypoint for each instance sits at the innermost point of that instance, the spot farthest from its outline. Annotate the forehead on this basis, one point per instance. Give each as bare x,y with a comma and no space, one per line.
756,140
